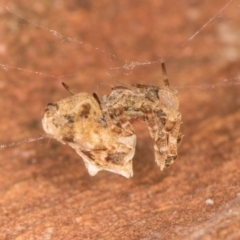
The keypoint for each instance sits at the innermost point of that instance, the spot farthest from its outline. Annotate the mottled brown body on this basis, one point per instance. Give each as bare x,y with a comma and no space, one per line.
158,107
100,130
79,122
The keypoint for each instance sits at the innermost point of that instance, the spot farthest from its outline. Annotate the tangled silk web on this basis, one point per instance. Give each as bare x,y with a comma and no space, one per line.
129,66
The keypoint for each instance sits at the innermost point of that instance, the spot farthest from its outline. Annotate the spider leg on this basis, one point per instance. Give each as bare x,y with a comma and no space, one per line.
160,139
164,130
172,128
161,150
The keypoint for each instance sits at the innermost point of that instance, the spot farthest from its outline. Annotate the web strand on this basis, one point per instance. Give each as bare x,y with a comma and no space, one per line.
56,33
28,140
199,31
129,65
224,83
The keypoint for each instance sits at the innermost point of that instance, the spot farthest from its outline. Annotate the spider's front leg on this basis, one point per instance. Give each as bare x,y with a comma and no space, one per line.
164,129
172,129
155,127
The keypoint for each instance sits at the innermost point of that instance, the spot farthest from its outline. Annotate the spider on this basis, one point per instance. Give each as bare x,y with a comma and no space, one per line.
158,107
100,129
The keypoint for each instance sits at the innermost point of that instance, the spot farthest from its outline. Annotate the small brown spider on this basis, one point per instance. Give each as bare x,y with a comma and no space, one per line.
100,130
157,106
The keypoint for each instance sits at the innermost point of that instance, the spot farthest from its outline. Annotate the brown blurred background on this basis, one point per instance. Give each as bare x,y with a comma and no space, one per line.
45,190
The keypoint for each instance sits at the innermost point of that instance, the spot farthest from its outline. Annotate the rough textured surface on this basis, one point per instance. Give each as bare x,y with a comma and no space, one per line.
45,190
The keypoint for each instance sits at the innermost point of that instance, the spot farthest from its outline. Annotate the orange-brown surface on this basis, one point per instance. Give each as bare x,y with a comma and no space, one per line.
45,190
